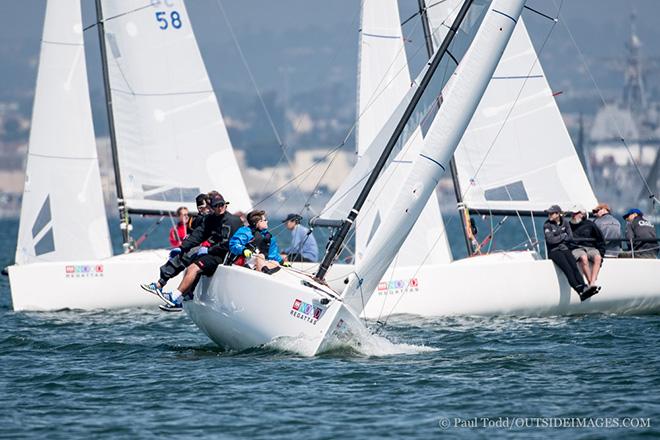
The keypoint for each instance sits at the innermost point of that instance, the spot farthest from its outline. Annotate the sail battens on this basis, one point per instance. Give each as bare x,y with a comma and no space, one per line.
179,93
395,37
62,43
506,15
55,156
519,77
165,111
62,214
518,135
383,84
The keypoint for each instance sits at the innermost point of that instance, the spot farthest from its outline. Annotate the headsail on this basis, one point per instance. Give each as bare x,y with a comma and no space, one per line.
62,215
517,154
171,139
383,80
461,97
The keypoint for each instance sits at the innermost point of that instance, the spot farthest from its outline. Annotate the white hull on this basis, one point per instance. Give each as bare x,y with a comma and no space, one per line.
508,284
240,308
109,283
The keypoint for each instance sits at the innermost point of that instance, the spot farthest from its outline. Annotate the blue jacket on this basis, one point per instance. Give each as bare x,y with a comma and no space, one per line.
244,237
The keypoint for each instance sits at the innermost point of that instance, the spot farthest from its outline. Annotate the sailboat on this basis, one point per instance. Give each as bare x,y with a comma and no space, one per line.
162,113
240,308
515,158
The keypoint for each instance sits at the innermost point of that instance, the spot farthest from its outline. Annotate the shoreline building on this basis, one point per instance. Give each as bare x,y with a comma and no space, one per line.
615,170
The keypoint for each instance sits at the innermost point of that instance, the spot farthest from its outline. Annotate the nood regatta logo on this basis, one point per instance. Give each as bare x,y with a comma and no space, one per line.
83,270
306,312
398,286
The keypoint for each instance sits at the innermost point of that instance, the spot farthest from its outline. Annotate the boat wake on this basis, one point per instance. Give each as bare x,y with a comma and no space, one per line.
366,344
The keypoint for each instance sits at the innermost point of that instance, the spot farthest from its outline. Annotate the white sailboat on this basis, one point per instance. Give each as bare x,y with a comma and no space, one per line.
515,156
163,113
239,308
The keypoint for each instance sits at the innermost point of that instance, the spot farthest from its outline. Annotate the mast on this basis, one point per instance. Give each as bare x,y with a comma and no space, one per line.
428,39
124,222
338,241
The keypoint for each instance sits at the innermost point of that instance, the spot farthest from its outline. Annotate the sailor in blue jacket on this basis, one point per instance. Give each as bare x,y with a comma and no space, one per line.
254,240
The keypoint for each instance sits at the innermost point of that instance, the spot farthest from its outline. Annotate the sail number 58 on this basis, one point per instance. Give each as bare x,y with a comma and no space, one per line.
174,19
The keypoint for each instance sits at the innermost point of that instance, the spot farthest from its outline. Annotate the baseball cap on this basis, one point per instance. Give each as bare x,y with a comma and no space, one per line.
217,200
292,216
553,208
578,208
632,211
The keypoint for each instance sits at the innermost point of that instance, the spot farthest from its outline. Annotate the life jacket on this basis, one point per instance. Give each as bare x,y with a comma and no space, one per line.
260,241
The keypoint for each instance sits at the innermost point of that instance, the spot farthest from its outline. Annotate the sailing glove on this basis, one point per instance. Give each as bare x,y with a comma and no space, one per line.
174,252
247,253
203,250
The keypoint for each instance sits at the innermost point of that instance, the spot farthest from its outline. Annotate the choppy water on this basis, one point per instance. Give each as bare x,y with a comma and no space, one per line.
141,373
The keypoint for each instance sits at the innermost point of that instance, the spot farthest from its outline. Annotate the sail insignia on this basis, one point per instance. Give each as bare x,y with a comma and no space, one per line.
42,230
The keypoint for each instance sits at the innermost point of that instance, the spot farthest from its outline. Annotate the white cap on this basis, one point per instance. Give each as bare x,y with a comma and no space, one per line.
578,208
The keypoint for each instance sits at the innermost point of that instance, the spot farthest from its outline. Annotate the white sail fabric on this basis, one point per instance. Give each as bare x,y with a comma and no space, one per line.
383,80
461,98
517,154
171,139
62,215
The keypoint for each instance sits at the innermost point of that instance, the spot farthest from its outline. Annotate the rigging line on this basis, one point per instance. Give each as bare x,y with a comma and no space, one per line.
513,105
331,62
372,102
249,72
117,16
518,215
256,88
602,98
540,13
298,175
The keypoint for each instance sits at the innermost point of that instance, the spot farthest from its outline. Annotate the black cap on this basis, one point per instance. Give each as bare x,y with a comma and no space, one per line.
218,200
553,208
295,217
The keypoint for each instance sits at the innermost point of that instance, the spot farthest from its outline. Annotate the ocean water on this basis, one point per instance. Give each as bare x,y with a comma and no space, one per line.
145,374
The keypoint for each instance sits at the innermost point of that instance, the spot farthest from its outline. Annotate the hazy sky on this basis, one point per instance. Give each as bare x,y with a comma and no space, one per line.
271,31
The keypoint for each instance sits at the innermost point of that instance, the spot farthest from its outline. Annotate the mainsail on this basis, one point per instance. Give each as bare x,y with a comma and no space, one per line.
516,153
172,142
62,215
461,97
383,80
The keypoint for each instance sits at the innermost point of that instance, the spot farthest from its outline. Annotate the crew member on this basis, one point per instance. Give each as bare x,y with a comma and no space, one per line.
558,237
610,227
589,244
179,231
303,246
256,244
640,234
216,229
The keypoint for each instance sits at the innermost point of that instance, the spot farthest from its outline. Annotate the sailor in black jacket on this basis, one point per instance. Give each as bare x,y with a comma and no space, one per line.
640,234
214,231
178,261
589,244
558,239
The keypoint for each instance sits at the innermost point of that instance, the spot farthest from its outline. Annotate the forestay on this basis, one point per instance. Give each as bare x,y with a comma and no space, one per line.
171,139
62,215
383,80
516,153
